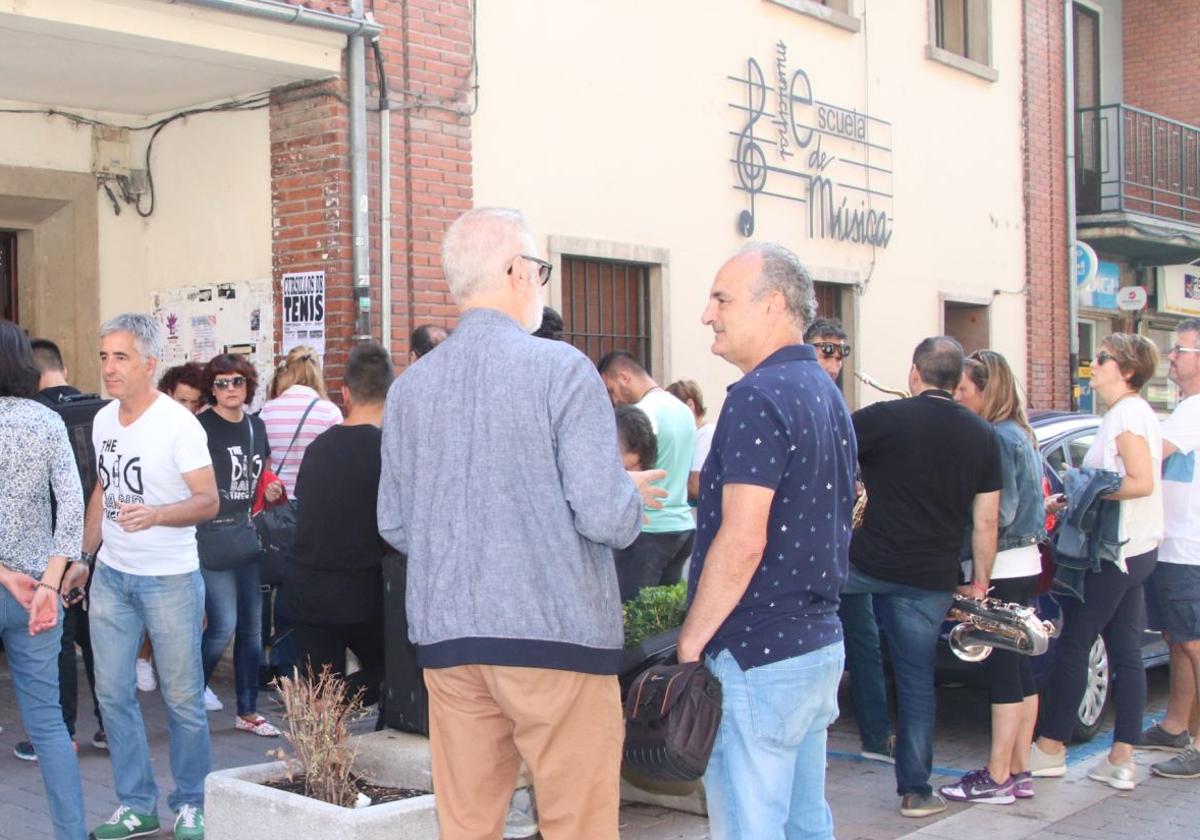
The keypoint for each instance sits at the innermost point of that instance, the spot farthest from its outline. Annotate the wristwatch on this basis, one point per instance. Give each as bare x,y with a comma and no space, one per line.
87,558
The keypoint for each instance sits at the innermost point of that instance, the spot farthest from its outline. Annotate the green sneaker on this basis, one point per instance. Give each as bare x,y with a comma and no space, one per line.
124,824
189,824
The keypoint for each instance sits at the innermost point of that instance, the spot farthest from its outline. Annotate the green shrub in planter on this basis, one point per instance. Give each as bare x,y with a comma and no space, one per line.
655,609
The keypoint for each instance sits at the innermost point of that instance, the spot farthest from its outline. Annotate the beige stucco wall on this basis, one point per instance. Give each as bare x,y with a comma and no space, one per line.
212,215
612,122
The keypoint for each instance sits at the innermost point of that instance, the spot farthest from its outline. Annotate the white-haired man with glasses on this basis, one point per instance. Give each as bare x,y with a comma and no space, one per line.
502,484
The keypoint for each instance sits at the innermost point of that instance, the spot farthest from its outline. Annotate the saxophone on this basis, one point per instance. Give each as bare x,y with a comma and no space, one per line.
991,623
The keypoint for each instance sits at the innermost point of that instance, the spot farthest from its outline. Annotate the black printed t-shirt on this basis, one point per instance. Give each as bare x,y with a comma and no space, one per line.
237,473
336,573
784,426
923,461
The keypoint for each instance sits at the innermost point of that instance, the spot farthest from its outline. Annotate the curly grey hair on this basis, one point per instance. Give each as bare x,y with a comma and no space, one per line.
783,271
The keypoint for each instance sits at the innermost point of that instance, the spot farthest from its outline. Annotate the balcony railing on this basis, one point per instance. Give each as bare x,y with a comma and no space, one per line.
1132,161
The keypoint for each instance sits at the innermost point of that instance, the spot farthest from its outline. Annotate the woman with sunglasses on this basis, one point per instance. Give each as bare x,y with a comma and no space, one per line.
238,444
1129,443
989,389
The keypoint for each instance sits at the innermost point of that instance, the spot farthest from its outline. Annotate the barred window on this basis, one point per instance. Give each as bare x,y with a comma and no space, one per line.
606,307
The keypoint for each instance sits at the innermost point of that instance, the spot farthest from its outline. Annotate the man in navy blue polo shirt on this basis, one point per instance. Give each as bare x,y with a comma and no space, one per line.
772,552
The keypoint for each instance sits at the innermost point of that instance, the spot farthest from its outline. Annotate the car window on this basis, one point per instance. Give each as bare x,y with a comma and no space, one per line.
1079,446
1057,459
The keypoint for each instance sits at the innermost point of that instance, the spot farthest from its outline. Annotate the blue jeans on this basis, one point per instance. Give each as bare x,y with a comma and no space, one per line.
766,776
233,603
33,661
912,618
864,661
170,608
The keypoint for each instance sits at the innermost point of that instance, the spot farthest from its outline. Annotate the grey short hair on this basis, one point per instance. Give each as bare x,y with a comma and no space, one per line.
146,332
783,271
479,246
1188,325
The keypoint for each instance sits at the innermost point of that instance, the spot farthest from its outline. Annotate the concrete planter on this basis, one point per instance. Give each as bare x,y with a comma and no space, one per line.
238,806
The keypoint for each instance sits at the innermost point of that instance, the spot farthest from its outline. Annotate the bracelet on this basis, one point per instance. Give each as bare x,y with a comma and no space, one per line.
43,585
87,558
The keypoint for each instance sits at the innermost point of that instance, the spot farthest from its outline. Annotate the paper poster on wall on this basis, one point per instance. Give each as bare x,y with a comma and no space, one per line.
304,310
201,321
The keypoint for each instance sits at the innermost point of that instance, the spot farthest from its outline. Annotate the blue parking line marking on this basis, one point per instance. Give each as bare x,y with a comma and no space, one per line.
1101,743
951,772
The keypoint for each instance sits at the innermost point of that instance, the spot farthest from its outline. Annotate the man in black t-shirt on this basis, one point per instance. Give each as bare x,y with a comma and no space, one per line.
931,468
333,586
57,393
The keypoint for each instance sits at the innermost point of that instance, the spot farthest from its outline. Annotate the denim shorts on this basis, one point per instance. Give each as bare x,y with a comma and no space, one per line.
1173,601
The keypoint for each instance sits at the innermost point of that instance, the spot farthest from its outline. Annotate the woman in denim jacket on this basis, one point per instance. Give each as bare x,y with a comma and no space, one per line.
989,389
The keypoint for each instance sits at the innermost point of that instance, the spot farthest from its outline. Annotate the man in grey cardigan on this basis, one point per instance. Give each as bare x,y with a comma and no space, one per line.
503,485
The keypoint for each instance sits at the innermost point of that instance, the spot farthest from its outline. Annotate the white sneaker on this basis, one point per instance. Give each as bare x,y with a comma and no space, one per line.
1118,776
212,703
146,681
520,821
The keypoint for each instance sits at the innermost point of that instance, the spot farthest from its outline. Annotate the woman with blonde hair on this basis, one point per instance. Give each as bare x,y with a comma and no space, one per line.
989,389
297,411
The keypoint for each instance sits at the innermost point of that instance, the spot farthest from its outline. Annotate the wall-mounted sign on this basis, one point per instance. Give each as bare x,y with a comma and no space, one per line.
794,146
1132,298
1179,290
1098,286
304,310
1086,263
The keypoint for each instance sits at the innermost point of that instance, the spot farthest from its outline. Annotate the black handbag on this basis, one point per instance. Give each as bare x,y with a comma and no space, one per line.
672,713
230,542
277,525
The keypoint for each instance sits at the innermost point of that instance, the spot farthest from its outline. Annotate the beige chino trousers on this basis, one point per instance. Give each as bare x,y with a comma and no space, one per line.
568,728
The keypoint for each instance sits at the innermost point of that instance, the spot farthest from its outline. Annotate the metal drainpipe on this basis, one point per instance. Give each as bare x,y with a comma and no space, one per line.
356,27
356,74
385,203
298,15
1069,136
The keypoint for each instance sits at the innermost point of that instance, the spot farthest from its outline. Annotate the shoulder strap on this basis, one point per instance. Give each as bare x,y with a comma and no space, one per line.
296,434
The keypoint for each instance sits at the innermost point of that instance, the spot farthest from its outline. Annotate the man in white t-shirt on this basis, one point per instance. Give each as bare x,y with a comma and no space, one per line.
1173,591
155,483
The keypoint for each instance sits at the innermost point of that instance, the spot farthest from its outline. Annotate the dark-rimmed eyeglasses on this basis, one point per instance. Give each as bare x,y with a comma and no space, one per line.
544,268
829,349
1103,357
230,383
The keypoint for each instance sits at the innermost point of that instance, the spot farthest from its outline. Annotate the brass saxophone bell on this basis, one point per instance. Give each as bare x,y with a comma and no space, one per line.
964,650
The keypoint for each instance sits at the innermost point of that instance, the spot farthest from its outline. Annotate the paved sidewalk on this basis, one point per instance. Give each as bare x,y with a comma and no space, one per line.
861,794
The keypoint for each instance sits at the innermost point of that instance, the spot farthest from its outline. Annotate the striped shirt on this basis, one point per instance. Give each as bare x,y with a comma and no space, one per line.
282,415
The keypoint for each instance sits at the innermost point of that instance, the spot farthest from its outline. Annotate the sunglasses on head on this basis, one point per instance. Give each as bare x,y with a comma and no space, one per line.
228,383
829,349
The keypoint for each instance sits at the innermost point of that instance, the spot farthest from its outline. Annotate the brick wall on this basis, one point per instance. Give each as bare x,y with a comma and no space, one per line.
426,49
1159,39
1047,374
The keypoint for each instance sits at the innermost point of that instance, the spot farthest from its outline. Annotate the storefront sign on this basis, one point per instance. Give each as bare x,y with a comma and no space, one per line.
1086,263
1179,290
1132,298
304,311
1099,292
793,146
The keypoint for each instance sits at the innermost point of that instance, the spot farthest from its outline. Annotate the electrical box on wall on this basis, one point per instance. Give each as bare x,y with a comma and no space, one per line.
110,150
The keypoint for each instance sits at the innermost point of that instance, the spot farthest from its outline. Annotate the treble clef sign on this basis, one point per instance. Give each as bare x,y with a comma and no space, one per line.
750,160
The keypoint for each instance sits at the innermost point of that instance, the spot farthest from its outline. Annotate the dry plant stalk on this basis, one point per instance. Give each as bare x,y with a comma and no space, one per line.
317,710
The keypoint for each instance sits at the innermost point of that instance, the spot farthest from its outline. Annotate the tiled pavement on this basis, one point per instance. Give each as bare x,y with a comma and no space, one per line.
860,793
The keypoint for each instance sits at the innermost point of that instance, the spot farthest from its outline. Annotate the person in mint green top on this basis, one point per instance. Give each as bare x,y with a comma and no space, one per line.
657,556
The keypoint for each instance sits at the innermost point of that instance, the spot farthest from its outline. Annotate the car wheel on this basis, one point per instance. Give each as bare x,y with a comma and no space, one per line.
1095,695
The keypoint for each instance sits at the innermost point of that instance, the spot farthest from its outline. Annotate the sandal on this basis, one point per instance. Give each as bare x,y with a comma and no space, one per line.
259,725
